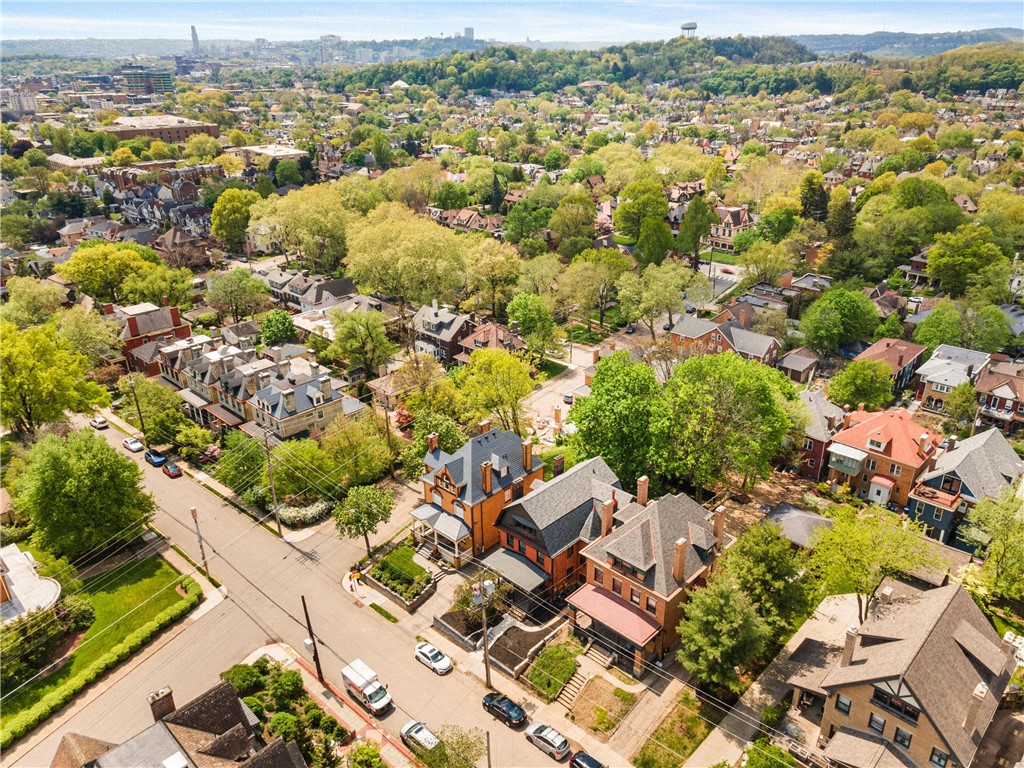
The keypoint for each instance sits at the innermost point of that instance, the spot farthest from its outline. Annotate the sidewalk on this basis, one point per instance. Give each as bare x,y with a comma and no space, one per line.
735,733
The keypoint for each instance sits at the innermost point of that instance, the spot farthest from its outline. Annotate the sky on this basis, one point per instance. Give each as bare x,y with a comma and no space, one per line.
507,21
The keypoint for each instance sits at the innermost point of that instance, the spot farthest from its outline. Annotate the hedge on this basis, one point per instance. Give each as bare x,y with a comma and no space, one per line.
55,701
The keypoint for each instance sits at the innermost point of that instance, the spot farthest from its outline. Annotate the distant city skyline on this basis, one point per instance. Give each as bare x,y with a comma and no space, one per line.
509,21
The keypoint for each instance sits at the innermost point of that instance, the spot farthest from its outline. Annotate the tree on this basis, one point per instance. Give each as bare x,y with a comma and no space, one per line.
958,257
40,379
720,633
158,283
287,172
536,324
521,222
311,220
764,262
942,326
814,199
451,196
102,269
230,216
766,755
160,407
192,440
361,448
643,200
86,332
202,147
858,552
539,274
838,317
654,243
962,403
82,493
841,216
303,472
364,508
31,301
762,565
365,754
605,265
361,338
695,227
424,388
462,747
574,217
491,272
863,381
277,327
720,414
229,164
265,188
614,420
123,157
237,294
996,527
450,438
380,147
496,381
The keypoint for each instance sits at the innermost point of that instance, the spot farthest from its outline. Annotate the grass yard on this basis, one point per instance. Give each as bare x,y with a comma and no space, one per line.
401,574
401,558
600,707
549,369
720,257
679,734
1006,623
581,335
113,594
553,667
568,452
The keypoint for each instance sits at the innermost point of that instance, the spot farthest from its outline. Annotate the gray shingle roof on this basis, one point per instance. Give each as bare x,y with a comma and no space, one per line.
798,525
464,465
446,322
308,395
746,342
985,463
821,409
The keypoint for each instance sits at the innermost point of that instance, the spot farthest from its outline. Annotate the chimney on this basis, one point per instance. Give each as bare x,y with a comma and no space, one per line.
527,455
517,488
1007,645
325,387
922,442
557,465
977,699
264,379
217,368
607,516
860,407
899,361
679,560
314,370
133,325
719,523
283,368
483,427
108,309
597,356
851,643
432,444
641,491
970,370
249,380
161,703
951,442
885,596
289,399
485,473
557,413
165,301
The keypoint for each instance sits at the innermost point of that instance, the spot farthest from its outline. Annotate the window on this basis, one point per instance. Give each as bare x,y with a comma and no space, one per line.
876,723
508,494
652,605
634,596
598,576
811,463
938,515
903,737
808,444
983,399
843,704
875,444
616,586
871,464
511,542
522,547
568,571
320,414
895,470
864,478
540,559
938,757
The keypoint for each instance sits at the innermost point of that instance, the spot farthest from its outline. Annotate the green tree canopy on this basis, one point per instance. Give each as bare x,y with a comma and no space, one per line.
838,317
31,301
365,507
862,381
361,338
959,258
237,294
643,200
277,327
158,283
996,526
696,226
230,216
101,270
160,407
496,381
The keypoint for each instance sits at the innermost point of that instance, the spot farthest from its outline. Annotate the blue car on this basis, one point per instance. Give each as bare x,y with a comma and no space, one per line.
155,458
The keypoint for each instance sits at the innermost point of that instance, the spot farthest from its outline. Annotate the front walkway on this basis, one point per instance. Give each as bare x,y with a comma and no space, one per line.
735,733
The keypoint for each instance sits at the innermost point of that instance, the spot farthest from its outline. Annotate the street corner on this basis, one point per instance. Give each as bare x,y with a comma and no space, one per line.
280,652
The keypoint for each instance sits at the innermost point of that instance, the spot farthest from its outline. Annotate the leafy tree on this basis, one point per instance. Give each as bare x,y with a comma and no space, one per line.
654,243
614,420
123,157
841,215
303,472
574,217
496,381
892,328
862,381
696,226
365,754
604,266
31,301
643,200
237,294
264,187
81,493
241,462
996,526
491,272
647,296
814,199
521,222
192,440
720,414
101,270
766,755
462,746
361,448
40,379
762,565
942,326
450,438
311,220
720,633
838,317
277,327
536,325
287,172
230,216
423,388
364,508
202,147
160,407
361,339
451,196
858,552
158,283
957,258
962,403
229,164
539,274
764,262
86,332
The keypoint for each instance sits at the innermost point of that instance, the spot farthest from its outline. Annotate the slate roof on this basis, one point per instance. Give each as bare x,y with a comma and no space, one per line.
568,507
76,750
949,365
646,540
798,525
985,463
308,395
149,317
942,646
464,465
821,409
1014,317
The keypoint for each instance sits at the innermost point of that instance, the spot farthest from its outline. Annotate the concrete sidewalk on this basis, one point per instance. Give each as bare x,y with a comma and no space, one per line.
736,732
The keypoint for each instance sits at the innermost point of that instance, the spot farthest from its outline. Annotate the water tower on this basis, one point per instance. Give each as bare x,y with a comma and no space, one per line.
689,28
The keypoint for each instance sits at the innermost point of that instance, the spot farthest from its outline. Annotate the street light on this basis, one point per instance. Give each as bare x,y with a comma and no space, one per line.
138,410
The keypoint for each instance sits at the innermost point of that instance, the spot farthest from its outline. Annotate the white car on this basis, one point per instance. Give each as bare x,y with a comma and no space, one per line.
133,445
429,656
548,740
98,423
416,734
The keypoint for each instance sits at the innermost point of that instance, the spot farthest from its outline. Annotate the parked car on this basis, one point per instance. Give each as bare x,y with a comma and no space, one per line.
567,398
690,309
98,422
630,328
172,470
583,760
727,270
133,445
503,708
416,734
666,326
547,739
432,658
154,457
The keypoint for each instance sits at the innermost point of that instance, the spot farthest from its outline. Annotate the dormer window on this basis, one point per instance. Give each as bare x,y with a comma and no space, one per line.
876,445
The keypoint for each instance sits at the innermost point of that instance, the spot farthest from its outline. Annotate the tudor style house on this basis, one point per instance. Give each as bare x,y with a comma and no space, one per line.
698,335
917,684
902,357
1001,395
465,491
882,455
639,571
946,369
982,466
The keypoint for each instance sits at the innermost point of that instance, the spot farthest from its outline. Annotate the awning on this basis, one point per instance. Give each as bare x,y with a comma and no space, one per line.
222,414
615,613
192,398
516,569
884,481
848,451
443,523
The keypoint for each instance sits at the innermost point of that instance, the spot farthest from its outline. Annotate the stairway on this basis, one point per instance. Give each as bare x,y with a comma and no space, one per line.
567,696
600,655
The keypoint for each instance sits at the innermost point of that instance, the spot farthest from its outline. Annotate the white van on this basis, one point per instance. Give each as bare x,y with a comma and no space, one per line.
362,685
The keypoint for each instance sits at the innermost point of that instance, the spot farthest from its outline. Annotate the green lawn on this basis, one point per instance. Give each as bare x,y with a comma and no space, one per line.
580,335
623,240
1004,624
568,452
720,257
554,666
549,369
679,734
401,558
113,594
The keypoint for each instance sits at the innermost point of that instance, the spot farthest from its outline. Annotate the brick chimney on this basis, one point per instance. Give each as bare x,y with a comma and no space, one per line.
719,523
557,413
951,443
483,427
249,380
860,407
557,465
485,472
432,444
679,559
133,325
641,491
885,596
597,356
527,455
289,399
517,488
607,516
848,646
977,699
108,309
284,367
161,703
325,387
899,361
922,442
165,301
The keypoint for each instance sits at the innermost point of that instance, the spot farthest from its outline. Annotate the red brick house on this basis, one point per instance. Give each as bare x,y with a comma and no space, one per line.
698,335
145,328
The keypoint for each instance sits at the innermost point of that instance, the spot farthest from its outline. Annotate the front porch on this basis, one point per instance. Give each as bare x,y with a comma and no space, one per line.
615,625
448,537
526,578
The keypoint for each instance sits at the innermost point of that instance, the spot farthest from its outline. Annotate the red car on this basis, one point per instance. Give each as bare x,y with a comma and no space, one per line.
172,470
728,271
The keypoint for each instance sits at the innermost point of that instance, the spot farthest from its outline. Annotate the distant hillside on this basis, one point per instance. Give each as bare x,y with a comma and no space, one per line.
905,43
95,48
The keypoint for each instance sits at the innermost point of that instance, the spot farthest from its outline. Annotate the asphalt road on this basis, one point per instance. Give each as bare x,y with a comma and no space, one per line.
265,577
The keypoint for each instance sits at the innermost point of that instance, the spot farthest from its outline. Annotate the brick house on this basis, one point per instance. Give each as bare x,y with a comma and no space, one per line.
946,369
698,335
882,455
439,331
639,570
826,418
902,357
292,404
732,220
144,328
490,336
1001,395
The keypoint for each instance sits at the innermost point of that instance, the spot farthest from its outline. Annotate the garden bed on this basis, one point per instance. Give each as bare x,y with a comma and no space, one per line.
600,707
398,577
511,648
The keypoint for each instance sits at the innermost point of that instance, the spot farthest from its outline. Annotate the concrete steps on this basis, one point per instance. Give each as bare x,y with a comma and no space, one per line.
600,655
571,690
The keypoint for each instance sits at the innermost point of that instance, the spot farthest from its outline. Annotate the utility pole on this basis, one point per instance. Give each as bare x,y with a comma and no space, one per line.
199,535
270,476
488,735
138,410
312,641
483,592
391,449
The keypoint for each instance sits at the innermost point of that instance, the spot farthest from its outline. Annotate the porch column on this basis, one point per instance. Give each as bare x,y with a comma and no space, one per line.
638,663
457,560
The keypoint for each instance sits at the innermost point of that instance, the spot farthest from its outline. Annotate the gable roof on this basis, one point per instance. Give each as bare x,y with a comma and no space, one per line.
1004,374
821,410
896,430
743,341
447,323
798,525
985,463
951,365
895,353
502,449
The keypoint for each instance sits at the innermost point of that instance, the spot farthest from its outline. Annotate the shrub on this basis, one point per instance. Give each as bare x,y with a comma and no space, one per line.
15,534
365,754
265,665
297,517
286,686
553,668
255,705
283,724
384,612
76,612
398,572
245,679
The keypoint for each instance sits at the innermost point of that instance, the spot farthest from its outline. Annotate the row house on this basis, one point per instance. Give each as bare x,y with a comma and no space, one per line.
293,404
902,357
945,370
646,559
440,331
1000,390
305,292
732,220
982,466
825,420
698,335
468,220
143,329
882,455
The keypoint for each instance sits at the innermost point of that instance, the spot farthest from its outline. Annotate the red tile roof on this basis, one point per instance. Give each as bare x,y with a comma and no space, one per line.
896,430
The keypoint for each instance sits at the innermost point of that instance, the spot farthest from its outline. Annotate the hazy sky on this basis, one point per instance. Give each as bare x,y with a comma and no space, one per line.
511,20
